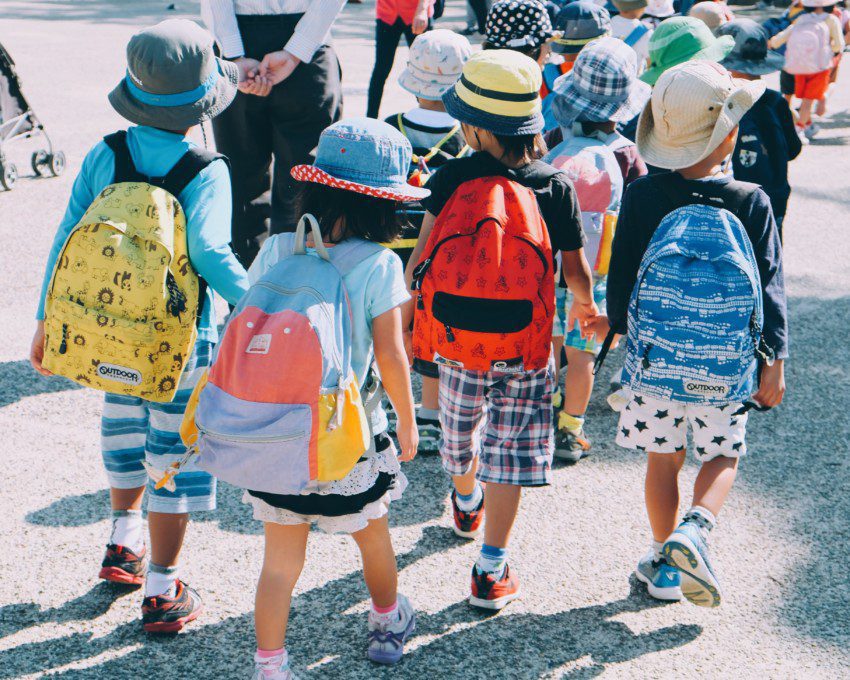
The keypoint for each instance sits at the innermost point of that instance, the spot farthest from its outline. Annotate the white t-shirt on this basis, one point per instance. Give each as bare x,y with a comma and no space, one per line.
621,28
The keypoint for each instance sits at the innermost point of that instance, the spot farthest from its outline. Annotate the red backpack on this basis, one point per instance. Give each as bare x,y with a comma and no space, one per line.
485,282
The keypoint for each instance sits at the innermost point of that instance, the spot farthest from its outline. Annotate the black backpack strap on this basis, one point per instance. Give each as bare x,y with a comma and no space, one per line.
187,168
125,170
730,196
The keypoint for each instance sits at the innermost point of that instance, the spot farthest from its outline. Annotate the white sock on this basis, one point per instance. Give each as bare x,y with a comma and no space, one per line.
656,549
161,580
705,517
471,502
128,529
386,617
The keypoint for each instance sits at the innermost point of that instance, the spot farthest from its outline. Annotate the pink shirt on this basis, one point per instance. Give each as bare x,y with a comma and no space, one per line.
389,11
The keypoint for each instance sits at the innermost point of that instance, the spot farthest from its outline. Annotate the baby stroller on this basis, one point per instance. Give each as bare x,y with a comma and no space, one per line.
17,121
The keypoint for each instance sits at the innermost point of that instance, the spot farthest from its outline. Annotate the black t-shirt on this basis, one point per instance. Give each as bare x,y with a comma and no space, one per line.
555,194
649,199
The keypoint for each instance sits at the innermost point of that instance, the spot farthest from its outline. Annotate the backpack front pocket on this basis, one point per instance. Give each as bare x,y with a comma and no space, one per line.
255,445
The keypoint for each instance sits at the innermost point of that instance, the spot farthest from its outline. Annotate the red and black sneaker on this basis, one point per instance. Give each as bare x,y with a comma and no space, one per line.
164,614
122,565
489,593
467,524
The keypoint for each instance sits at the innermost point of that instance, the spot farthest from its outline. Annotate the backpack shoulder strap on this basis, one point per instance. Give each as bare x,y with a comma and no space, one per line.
637,33
125,169
187,168
732,195
347,255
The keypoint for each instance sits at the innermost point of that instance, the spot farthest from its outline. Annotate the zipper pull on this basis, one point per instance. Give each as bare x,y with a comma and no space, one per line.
450,336
420,303
645,362
63,346
419,272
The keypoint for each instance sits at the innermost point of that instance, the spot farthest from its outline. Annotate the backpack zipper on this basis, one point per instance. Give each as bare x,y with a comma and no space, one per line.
63,346
250,440
450,336
645,360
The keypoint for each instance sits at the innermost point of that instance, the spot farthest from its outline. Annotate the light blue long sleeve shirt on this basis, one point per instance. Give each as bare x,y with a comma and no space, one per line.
206,200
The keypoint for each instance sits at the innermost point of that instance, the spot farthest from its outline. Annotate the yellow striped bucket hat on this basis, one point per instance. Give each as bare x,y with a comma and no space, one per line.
499,91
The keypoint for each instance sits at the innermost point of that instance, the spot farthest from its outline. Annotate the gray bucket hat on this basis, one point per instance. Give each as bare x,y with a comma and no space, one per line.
174,80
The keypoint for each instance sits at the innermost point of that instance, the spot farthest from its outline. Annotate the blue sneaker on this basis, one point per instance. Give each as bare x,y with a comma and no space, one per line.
662,581
687,550
386,642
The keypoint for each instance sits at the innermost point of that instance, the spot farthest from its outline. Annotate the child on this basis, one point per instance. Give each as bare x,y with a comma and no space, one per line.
682,39
814,40
712,14
600,91
628,27
502,123
657,11
170,58
700,106
767,140
434,65
525,27
350,201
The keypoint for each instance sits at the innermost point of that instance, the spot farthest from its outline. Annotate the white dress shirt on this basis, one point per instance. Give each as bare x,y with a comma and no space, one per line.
310,34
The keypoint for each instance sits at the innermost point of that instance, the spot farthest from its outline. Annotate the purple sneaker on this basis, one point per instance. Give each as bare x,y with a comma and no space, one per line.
386,642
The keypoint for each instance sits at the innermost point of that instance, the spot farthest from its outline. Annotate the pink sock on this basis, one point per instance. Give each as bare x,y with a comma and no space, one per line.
269,653
384,610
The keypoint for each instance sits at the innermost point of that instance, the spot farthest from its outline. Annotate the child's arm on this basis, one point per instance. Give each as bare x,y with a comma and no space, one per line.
208,205
395,377
836,35
579,280
780,38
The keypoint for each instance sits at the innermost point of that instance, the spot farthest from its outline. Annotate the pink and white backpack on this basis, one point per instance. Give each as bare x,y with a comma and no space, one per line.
808,50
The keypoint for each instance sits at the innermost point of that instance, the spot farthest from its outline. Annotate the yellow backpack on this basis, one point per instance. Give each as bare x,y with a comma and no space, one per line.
123,302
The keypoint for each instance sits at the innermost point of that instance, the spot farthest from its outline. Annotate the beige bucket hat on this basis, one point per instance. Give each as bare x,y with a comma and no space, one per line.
694,106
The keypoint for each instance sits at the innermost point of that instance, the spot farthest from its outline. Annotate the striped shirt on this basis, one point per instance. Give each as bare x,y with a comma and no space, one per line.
312,31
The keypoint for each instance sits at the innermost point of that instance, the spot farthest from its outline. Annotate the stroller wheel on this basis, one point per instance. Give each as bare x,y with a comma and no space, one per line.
8,176
57,163
39,162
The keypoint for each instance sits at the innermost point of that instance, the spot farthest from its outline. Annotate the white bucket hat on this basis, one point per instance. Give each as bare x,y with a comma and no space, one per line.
694,106
435,63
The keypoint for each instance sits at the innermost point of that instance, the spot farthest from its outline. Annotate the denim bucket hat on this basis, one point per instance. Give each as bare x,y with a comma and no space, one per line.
499,91
750,54
681,39
174,80
435,63
579,23
602,86
363,155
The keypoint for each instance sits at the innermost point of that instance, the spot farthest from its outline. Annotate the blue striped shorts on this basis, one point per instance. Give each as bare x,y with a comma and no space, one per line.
134,430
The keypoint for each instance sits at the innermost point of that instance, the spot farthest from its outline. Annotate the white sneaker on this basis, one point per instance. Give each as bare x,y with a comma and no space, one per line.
272,668
386,641
811,131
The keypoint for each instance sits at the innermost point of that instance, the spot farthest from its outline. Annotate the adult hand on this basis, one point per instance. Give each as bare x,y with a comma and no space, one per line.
586,315
420,22
250,81
278,66
37,350
772,385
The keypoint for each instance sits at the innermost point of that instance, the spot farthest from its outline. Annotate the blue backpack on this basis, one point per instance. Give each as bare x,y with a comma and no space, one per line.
695,315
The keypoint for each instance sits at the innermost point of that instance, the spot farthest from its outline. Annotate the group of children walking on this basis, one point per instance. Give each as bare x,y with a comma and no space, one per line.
518,252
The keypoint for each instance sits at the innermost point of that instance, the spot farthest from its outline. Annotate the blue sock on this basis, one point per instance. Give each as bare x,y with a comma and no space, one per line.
472,501
492,560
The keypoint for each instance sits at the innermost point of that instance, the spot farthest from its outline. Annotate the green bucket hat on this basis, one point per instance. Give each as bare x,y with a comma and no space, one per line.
681,39
174,80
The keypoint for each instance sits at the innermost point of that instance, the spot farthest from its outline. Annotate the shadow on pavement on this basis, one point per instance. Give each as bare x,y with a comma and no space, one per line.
19,380
330,643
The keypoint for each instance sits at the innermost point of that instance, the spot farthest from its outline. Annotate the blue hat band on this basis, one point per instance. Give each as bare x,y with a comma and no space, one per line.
176,99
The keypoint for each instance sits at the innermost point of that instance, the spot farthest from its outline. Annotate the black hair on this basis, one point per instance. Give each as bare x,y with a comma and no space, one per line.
605,126
374,219
826,8
527,50
522,146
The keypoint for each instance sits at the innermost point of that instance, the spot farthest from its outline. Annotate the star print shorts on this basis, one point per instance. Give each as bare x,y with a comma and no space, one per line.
660,426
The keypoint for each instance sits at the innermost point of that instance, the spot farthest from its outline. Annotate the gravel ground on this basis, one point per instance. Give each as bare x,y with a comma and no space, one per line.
781,547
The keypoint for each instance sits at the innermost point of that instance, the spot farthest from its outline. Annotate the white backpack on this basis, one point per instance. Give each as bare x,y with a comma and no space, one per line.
808,49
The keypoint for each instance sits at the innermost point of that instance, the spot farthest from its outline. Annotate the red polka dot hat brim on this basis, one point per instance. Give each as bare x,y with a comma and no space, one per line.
403,192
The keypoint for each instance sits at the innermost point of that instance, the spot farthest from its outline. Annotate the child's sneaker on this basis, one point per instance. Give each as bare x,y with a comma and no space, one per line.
662,581
272,668
166,614
687,550
811,131
490,593
571,445
386,642
122,565
430,435
467,524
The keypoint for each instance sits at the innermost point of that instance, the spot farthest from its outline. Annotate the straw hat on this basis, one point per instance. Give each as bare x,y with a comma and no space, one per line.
694,106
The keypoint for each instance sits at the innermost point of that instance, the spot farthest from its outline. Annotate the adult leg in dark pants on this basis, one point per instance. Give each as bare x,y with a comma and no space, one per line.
479,9
387,38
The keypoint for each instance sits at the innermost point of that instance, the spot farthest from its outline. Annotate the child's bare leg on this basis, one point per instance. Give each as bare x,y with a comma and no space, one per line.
714,482
286,547
430,390
662,492
126,499
167,532
557,346
465,483
805,113
501,504
379,564
578,385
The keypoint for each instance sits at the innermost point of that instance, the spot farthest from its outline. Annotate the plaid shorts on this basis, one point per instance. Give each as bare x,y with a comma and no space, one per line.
504,419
